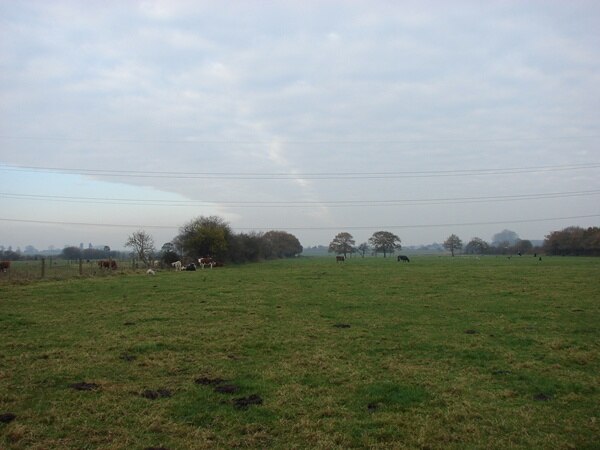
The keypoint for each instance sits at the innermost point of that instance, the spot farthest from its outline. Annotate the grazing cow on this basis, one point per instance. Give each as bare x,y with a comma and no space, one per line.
106,264
190,267
4,266
177,266
403,258
150,272
206,261
340,258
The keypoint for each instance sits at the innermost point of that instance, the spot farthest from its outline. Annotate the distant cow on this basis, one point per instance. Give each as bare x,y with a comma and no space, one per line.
403,258
206,261
190,267
340,258
4,266
107,264
177,265
150,272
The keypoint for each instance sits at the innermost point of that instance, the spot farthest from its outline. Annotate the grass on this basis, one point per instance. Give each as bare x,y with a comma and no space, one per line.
436,353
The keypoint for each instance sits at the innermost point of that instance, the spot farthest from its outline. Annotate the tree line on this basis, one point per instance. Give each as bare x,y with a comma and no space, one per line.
213,237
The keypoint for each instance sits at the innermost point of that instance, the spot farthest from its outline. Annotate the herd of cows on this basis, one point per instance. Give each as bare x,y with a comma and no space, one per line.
179,266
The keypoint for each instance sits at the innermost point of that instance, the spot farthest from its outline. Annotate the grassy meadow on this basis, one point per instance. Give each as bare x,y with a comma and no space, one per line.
438,353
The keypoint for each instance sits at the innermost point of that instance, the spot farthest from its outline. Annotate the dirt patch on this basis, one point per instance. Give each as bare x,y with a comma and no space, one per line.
541,397
128,324
341,325
127,357
7,417
226,389
83,386
153,395
245,402
373,406
471,331
206,381
156,448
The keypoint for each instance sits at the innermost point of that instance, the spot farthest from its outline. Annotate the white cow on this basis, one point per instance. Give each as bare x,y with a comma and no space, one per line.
177,265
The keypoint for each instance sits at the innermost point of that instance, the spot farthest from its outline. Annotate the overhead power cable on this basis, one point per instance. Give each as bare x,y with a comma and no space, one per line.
298,175
296,204
292,228
283,141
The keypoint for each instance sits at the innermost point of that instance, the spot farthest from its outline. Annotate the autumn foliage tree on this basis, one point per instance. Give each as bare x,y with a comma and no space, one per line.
384,241
342,244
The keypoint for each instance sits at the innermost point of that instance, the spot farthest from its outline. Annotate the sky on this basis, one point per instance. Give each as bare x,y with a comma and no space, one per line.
424,118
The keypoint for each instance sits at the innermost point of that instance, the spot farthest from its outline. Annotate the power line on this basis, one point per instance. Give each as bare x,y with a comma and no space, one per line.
299,175
296,204
378,227
195,141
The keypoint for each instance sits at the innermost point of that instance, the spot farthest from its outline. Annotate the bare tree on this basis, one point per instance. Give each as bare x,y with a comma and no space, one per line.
363,248
453,243
143,246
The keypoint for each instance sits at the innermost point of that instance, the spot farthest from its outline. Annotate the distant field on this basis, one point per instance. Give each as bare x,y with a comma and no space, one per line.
438,353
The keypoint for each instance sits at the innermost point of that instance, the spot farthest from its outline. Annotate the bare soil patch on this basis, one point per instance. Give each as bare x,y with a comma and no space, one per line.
83,386
245,402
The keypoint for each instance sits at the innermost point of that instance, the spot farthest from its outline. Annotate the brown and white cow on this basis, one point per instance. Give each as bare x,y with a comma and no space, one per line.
206,261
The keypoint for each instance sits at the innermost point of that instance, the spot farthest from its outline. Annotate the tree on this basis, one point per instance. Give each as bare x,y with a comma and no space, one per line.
71,253
363,248
343,243
168,253
143,246
204,236
384,241
505,236
453,243
477,246
281,244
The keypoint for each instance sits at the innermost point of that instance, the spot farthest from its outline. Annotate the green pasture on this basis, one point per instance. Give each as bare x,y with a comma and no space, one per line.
438,353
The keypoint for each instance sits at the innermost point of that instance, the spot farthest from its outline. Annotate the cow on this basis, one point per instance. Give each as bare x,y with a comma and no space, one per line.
177,266
340,258
190,267
403,258
4,266
206,261
150,272
107,264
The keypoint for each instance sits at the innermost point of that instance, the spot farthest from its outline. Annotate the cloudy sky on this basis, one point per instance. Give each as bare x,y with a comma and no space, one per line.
423,118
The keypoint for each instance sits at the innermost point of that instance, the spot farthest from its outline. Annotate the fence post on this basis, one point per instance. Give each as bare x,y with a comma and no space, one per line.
43,267
80,267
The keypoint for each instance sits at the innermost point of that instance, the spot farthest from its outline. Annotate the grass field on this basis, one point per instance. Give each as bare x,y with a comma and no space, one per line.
438,353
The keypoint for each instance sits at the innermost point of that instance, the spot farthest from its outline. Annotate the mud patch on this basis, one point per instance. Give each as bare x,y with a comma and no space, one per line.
83,386
7,417
471,332
226,389
206,381
341,325
127,357
245,402
153,395
541,397
373,406
128,324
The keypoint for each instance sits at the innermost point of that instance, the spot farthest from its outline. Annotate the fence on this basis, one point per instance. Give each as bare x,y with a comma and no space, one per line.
52,268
